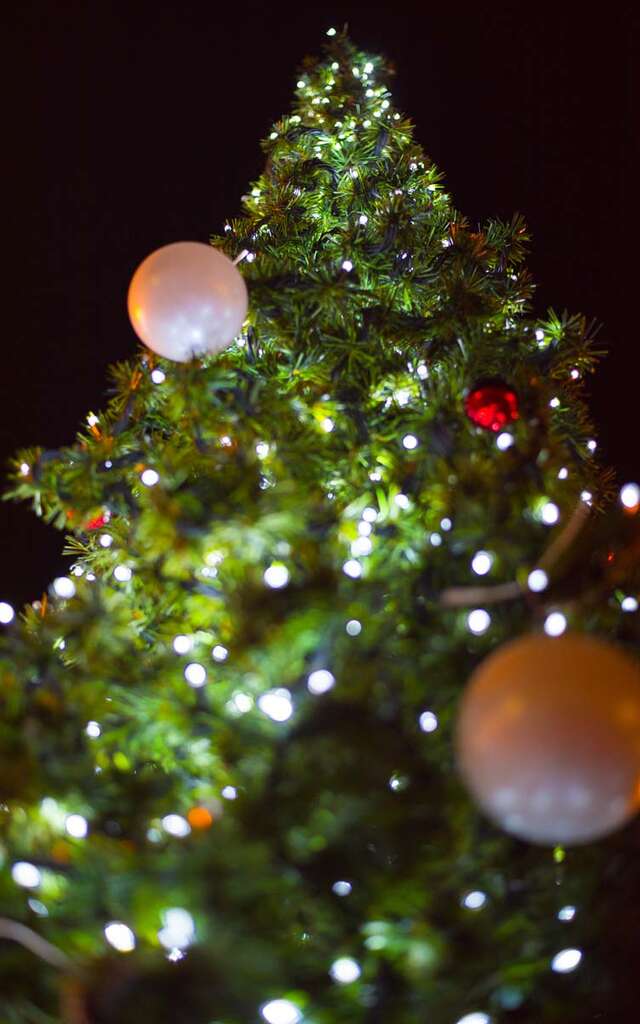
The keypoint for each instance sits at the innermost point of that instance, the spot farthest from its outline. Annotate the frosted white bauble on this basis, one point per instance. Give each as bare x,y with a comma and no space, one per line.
187,299
548,738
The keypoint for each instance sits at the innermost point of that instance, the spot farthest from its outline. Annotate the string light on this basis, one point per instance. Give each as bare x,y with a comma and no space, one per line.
352,568
537,580
446,524
327,424
24,469
195,674
320,681
347,265
402,501
122,573
566,960
478,621
178,929
555,624
76,826
504,441
262,449
64,587
361,546
120,936
567,913
563,473
342,888
550,513
219,653
182,644
176,825
106,540
93,730
281,1011
586,496
353,627
363,219
630,496
369,515
481,563
7,613
345,970
276,704
629,604
276,576
475,1018
149,477
474,900
410,441
229,793
26,875
158,376
428,721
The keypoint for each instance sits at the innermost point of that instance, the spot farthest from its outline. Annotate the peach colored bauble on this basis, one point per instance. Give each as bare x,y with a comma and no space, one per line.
186,300
548,738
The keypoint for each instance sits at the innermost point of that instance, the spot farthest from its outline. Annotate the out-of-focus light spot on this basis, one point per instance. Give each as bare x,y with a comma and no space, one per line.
363,219
575,373
176,825
422,371
586,496
475,1018
281,1011
554,402
353,627
178,929
320,681
262,449
24,469
504,440
364,529
106,540
352,568
122,573
539,334
629,604
25,874
345,970
149,477
566,960
347,265
327,424
276,704
38,907
7,613
64,587
341,888
229,793
474,900
76,826
195,674
93,730
550,513
567,913
276,576
219,653
435,540
478,621
182,644
241,703
592,445
555,624
362,545
481,562
563,473
446,524
428,721
409,441
158,376
537,580
369,515
402,501
630,496
120,936
200,817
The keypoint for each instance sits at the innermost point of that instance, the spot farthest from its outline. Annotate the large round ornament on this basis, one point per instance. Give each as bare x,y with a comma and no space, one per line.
548,738
187,299
492,404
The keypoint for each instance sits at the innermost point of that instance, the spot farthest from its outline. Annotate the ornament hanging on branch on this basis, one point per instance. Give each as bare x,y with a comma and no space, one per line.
186,300
492,404
548,738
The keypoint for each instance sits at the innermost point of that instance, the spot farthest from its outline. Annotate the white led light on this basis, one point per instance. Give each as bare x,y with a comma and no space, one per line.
25,874
327,424
566,960
567,913
276,576
122,573
586,496
435,539
537,580
93,730
345,970
106,540
241,702
402,501
120,936
158,376
76,826
554,403
24,468
474,900
226,441
409,441
219,653
342,888
178,929
361,546
481,563
428,721
475,1018
64,587
478,621
368,68
335,66
176,825
229,793
92,419
281,1011
630,496
563,473
77,570
149,477
320,681
369,515
363,219
276,704
347,265
550,513
262,449
331,32
555,624
629,604
195,674
182,644
352,568
364,529
592,445
539,334
504,440
422,371
7,613
575,374
353,627
446,524
375,475
301,84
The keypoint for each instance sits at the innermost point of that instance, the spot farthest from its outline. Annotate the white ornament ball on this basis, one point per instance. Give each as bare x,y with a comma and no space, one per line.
187,299
548,738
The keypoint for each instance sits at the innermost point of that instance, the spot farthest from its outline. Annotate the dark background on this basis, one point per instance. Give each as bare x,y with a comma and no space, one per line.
131,125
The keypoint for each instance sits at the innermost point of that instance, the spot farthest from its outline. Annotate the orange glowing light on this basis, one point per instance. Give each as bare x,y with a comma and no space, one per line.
200,817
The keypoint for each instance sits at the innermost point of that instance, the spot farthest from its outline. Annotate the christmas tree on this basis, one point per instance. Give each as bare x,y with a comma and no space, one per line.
233,789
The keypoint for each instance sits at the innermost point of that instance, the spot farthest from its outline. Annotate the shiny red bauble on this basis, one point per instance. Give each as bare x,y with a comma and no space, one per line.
492,405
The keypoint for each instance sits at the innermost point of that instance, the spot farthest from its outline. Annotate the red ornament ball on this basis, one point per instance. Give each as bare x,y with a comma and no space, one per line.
492,405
